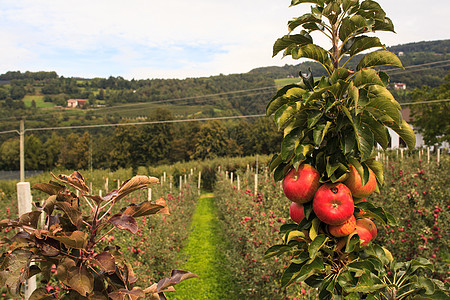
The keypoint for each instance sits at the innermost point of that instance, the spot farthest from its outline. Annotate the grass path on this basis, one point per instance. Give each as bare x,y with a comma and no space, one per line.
205,257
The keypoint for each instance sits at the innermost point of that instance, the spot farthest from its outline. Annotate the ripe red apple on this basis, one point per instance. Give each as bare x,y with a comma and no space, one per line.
364,235
333,203
296,212
369,225
344,229
354,183
300,185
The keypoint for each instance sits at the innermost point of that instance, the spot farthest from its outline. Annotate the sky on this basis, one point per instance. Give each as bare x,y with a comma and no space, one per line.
173,39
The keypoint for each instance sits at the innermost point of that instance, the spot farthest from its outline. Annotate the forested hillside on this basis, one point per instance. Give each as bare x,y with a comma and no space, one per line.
434,54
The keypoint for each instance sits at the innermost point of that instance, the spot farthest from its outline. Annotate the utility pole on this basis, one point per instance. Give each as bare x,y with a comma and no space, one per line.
22,150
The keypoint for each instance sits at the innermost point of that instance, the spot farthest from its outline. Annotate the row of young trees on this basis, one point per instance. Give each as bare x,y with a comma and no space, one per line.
135,146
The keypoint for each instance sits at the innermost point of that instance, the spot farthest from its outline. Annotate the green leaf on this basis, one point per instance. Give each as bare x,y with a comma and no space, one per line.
277,250
364,137
351,25
275,162
284,115
367,77
313,52
371,211
381,102
291,235
318,2
406,132
380,132
379,58
383,25
363,43
316,245
286,41
306,18
314,231
377,168
291,92
289,143
313,117
420,263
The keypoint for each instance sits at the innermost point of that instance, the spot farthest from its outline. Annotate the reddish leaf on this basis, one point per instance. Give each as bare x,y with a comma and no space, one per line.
30,218
81,280
176,277
77,240
75,179
73,214
133,184
51,188
143,209
105,261
123,221
123,294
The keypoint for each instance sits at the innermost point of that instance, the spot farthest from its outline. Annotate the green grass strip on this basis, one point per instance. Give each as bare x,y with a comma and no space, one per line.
205,257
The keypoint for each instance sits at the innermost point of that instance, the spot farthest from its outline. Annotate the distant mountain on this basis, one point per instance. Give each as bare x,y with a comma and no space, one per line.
432,59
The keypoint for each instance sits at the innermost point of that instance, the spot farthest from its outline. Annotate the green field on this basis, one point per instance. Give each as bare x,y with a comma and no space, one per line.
285,81
38,99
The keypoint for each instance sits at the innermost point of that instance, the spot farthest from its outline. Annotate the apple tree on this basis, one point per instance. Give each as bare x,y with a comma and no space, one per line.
67,247
334,125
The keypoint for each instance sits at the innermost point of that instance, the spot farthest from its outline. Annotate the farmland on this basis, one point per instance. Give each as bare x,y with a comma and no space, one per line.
416,192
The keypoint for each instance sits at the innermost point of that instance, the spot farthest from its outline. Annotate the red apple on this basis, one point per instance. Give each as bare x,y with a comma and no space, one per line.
364,235
333,203
369,225
300,185
344,229
354,183
296,212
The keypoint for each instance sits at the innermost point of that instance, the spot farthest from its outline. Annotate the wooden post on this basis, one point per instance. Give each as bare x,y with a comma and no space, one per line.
24,205
226,174
170,184
256,183
149,194
256,171
107,185
438,155
181,182
231,177
420,154
401,152
100,193
118,183
238,183
90,187
428,154
199,181
164,176
185,179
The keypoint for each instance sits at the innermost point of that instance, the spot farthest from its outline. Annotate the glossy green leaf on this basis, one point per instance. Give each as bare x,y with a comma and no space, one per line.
377,168
291,92
316,245
290,40
371,211
340,73
351,25
314,231
313,52
420,263
406,132
381,102
313,117
318,2
293,234
275,162
364,137
289,143
363,43
379,130
284,115
306,18
367,77
379,58
383,25
277,250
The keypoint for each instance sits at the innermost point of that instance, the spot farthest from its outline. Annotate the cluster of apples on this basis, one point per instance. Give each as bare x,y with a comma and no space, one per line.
333,203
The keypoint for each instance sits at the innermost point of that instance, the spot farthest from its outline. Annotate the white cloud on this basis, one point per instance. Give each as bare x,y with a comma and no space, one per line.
142,38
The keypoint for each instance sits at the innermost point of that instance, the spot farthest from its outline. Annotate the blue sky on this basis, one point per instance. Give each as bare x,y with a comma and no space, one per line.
172,39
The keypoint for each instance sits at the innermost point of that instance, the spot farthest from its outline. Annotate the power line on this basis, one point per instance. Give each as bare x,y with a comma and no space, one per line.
425,102
419,65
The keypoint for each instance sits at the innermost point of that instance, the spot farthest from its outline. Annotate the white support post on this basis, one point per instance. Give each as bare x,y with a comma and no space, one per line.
181,182
118,183
231,177
428,154
24,203
164,177
199,181
256,183
185,179
438,155
238,183
401,153
107,185
420,154
100,193
149,194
